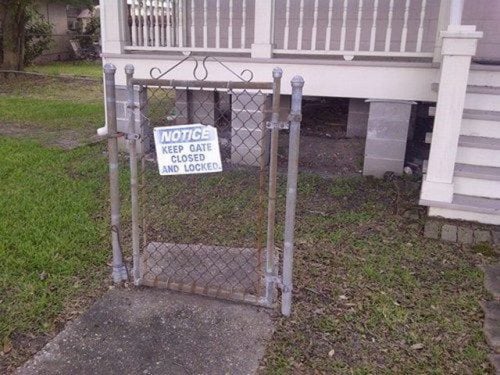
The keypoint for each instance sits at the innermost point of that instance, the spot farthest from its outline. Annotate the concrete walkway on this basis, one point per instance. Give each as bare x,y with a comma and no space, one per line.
492,313
152,331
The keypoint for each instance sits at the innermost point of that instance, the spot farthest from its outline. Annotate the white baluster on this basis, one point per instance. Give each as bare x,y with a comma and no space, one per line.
217,26
358,25
145,26
315,26
388,32
151,24
205,24
421,27
243,23
373,33
162,23
301,25
328,36
181,23
286,35
139,25
133,32
193,29
157,24
169,11
404,32
343,27
230,27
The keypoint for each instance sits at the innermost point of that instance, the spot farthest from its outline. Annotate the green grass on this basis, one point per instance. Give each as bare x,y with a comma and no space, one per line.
52,114
53,243
74,68
367,283
51,105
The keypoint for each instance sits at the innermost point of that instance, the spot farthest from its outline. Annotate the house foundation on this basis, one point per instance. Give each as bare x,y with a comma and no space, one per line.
357,118
386,137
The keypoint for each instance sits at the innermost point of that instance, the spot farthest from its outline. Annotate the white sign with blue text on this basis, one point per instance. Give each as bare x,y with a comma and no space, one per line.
187,149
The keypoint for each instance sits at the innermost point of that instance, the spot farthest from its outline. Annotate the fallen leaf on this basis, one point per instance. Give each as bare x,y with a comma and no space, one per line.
331,353
417,346
7,347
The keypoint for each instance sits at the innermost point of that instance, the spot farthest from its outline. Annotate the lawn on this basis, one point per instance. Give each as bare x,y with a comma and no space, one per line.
53,210
50,109
371,295
91,69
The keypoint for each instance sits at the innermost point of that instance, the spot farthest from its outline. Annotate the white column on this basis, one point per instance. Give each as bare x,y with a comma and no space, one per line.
457,8
442,25
263,39
459,45
114,25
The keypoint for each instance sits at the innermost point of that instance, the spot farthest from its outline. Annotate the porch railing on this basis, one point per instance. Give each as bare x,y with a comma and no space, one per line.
384,28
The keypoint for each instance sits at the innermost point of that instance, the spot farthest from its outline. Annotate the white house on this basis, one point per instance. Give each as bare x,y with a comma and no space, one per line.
389,53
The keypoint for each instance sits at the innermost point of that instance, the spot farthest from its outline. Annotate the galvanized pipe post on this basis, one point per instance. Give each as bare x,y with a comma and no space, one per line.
291,194
271,207
119,270
133,135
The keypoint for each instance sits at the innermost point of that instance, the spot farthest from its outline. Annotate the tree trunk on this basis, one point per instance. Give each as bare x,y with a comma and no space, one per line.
13,21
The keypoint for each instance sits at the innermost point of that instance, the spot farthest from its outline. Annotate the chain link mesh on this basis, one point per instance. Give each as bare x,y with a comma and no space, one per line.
206,233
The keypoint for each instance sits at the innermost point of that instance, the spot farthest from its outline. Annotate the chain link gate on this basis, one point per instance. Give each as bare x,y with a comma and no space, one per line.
213,233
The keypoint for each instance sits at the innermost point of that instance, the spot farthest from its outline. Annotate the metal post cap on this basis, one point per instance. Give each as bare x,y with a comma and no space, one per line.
129,69
297,81
277,72
109,68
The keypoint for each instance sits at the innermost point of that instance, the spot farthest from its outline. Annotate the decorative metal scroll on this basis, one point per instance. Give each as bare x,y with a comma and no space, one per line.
200,71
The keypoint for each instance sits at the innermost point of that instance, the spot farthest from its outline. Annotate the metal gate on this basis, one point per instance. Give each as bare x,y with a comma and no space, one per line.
213,233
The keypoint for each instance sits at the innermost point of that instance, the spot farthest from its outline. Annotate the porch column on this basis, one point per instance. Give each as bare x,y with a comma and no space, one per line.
263,38
459,45
114,25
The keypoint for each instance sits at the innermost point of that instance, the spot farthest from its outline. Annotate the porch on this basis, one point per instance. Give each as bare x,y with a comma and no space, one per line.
390,52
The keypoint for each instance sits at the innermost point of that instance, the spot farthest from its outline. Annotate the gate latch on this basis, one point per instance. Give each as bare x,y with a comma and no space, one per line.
280,125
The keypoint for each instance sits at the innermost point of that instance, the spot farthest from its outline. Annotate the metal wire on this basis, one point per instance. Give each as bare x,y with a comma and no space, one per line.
205,233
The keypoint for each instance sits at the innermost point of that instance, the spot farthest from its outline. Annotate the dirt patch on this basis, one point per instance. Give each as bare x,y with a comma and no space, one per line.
326,156
65,139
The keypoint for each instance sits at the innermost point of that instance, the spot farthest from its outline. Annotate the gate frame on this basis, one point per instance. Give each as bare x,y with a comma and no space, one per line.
272,277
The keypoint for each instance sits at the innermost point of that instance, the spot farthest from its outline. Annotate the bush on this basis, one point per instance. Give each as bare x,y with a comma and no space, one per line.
38,37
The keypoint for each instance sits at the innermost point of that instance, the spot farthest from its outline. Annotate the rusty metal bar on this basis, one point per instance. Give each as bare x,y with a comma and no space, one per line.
273,173
134,192
119,270
204,84
291,194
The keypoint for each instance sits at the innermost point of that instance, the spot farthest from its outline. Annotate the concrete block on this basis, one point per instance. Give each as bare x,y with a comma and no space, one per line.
388,128
481,236
249,138
357,118
465,236
248,100
449,233
432,229
247,119
386,137
248,156
385,148
377,166
357,124
390,109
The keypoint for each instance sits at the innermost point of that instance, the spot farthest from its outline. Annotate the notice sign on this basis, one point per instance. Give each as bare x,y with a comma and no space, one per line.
187,149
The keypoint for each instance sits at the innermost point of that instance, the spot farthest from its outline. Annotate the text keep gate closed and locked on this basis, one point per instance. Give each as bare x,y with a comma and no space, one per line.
187,149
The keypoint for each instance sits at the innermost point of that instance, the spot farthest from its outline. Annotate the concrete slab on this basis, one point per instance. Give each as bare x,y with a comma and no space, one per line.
215,271
152,331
